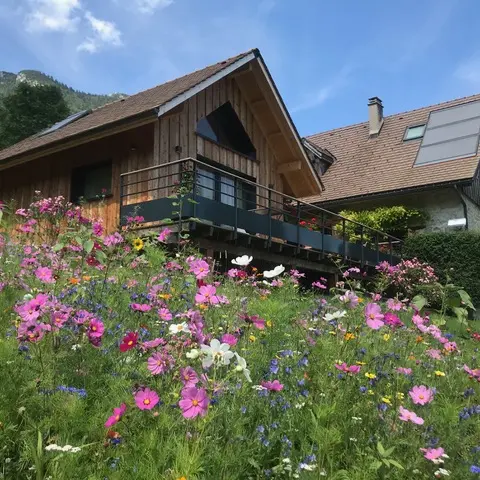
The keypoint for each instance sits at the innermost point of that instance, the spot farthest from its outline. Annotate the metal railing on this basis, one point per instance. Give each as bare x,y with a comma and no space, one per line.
230,201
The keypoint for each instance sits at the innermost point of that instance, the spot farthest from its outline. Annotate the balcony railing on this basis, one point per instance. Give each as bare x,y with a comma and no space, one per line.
191,190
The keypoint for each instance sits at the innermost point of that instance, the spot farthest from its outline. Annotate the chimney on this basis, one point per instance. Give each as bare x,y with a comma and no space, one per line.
375,116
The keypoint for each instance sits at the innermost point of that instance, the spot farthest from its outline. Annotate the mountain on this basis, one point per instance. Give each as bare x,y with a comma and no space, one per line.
76,100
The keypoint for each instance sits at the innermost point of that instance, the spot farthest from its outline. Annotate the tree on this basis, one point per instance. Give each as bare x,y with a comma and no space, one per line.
28,110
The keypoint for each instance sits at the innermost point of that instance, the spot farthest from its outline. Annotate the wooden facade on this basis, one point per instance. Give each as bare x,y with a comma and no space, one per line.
169,138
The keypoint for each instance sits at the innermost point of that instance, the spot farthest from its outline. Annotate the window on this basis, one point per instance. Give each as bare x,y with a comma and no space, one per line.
412,133
91,182
223,188
225,128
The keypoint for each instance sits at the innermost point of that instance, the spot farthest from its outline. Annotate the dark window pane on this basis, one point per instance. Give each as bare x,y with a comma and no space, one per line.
224,127
91,182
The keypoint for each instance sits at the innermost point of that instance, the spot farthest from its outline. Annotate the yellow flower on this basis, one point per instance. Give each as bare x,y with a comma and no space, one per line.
386,337
202,306
269,323
360,299
87,278
371,392
349,336
358,362
165,296
182,478
252,338
386,400
331,332
371,376
137,244
400,395
438,373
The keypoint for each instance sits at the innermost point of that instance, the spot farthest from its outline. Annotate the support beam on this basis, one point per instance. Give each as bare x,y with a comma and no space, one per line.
276,133
241,72
290,167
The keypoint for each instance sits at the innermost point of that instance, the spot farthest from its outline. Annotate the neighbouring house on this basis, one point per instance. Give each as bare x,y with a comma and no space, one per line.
222,139
425,158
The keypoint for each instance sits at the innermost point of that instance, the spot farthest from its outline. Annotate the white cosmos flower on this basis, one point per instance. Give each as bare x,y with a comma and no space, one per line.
216,352
193,354
242,366
273,273
242,261
179,328
335,315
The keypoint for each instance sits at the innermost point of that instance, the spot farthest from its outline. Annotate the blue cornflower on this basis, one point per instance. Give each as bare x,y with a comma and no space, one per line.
288,370
303,362
274,366
286,353
301,382
260,429
382,407
474,469
274,425
265,441
363,389
468,392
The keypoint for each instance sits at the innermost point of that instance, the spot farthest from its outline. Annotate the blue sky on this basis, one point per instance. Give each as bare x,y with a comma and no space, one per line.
327,57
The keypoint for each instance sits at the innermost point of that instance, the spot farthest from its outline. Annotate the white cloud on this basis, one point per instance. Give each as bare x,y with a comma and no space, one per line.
325,92
148,6
53,15
104,33
469,71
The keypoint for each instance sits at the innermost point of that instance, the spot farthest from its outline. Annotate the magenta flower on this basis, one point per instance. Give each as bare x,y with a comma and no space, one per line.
45,275
97,229
129,341
350,298
95,328
113,240
274,386
194,402
434,454
319,285
153,343
117,415
404,371
229,339
254,320
189,377
207,294
343,367
164,314
160,362
164,234
374,316
434,353
394,304
408,416
475,373
421,395
141,307
392,320
200,269
146,399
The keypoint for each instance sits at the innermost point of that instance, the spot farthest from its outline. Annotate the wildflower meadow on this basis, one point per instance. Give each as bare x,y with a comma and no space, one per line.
124,357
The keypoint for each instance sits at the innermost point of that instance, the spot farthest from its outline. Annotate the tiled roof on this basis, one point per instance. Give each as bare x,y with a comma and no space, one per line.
121,109
367,165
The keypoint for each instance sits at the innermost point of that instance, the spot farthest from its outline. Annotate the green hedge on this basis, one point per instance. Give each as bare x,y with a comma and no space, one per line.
456,254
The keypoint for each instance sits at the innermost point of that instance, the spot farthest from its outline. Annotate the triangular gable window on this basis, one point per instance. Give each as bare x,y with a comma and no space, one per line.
223,126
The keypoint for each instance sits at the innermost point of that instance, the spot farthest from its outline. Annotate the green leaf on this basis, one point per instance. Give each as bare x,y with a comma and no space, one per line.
419,301
58,247
466,299
88,246
461,313
396,464
380,449
376,464
100,256
386,462
389,451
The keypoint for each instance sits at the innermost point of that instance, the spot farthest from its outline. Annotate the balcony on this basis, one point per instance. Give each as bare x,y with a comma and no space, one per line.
194,195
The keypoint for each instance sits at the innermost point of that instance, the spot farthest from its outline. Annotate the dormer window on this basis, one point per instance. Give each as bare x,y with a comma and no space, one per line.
415,132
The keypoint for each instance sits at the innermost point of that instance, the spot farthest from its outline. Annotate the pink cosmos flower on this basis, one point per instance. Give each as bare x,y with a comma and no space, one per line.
199,268
350,298
433,454
164,234
229,339
404,371
129,341
207,294
274,386
141,307
95,328
97,229
374,316
450,347
189,377
194,402
394,304
434,353
164,314
153,343
117,415
31,331
319,285
254,320
146,399
113,240
392,320
353,369
408,416
160,362
421,395
475,373
45,275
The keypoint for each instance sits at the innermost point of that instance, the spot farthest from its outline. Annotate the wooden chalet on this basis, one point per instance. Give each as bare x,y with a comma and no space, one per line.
220,136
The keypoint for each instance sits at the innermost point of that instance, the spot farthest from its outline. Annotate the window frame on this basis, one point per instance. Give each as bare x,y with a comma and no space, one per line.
82,170
411,127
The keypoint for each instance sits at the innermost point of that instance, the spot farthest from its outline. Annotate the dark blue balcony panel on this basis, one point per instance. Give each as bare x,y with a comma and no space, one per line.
253,223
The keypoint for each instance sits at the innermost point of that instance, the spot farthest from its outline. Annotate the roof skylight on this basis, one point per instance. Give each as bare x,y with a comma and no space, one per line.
63,123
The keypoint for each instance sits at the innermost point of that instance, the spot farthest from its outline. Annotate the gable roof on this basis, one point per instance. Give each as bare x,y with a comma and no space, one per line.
143,103
377,165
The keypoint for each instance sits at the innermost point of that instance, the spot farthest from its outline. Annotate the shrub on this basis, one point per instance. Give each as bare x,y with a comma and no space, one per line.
455,255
